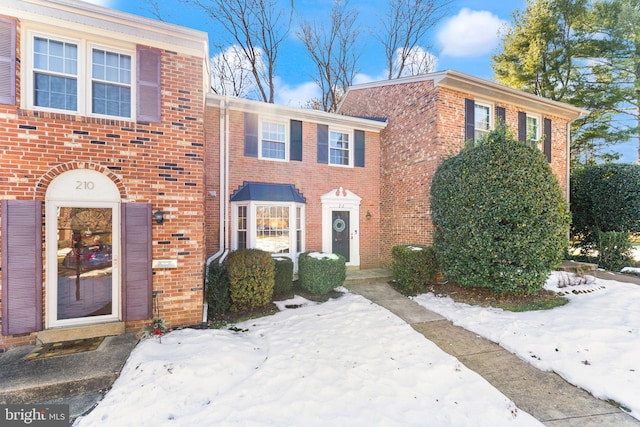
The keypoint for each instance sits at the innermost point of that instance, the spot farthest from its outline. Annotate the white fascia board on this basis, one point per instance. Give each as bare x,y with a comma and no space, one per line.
314,116
85,17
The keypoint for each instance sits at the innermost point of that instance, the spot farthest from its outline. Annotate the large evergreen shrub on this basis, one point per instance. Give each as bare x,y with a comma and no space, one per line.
605,205
283,275
251,278
500,218
414,267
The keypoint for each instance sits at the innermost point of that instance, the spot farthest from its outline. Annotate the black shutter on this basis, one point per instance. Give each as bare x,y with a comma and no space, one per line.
469,119
136,261
7,61
522,126
148,79
358,137
250,135
323,144
21,266
295,148
547,139
501,115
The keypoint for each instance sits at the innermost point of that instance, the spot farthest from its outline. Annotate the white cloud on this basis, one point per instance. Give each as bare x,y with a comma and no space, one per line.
419,61
295,96
470,33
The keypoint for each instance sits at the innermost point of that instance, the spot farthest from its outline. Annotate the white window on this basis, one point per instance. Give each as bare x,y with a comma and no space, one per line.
275,227
110,83
72,76
340,148
483,120
273,140
533,130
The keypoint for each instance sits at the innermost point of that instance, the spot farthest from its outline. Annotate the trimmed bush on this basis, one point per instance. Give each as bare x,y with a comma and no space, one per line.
500,217
605,203
218,295
251,279
414,267
283,275
320,273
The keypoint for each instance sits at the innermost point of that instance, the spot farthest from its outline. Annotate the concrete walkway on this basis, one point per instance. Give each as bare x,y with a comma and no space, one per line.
544,395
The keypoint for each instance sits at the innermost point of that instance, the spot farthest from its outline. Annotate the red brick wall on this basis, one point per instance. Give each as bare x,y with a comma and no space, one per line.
157,163
425,125
311,178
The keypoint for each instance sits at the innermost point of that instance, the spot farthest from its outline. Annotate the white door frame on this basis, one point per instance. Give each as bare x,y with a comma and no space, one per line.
342,200
82,188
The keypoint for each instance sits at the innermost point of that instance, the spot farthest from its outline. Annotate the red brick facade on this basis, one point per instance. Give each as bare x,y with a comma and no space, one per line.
161,164
426,123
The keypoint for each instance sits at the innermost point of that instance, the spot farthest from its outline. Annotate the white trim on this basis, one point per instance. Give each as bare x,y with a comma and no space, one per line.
342,200
351,149
80,188
287,137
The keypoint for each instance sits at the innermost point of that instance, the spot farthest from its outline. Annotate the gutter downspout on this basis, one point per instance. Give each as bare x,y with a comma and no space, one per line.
226,213
224,116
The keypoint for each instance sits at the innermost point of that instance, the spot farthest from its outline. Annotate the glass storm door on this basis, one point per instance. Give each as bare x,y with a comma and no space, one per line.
87,287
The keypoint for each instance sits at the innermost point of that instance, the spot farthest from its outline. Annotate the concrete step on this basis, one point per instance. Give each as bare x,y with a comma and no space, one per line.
42,379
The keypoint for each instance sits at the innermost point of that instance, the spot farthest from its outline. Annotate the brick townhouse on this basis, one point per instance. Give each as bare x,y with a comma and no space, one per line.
431,117
102,151
121,176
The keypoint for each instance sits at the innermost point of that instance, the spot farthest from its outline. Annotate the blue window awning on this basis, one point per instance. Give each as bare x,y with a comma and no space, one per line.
267,192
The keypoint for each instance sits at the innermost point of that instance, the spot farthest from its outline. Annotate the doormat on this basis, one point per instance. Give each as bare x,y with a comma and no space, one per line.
65,347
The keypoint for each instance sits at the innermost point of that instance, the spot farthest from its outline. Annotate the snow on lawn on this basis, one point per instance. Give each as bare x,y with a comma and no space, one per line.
345,362
593,341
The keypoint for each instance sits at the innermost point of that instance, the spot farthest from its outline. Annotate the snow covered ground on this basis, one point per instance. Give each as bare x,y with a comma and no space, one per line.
593,341
346,362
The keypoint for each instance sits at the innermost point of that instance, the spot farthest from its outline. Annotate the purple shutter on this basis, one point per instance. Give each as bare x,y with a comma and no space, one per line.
295,136
250,135
148,84
323,144
136,261
501,114
547,139
469,119
7,61
358,137
522,126
21,266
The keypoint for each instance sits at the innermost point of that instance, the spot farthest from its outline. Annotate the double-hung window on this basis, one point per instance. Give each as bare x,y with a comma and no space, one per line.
110,83
533,130
340,151
76,76
55,74
482,115
273,140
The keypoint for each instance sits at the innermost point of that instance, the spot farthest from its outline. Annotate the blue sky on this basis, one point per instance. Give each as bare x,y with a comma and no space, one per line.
464,41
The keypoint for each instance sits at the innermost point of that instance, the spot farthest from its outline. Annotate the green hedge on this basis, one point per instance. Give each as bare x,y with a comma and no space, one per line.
218,295
251,279
414,267
283,275
501,220
320,273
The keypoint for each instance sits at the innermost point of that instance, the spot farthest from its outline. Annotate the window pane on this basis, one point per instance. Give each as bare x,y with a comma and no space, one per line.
55,92
273,140
111,100
242,227
338,148
272,229
532,129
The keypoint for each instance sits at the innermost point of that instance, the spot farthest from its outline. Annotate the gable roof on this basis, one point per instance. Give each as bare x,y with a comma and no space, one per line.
462,82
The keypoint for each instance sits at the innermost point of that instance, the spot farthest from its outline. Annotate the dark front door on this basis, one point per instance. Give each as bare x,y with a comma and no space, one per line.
340,233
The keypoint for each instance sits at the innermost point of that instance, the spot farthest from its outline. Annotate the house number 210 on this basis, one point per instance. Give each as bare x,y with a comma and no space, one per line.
84,185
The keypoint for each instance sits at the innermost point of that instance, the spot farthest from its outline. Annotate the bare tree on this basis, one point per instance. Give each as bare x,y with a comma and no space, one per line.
334,51
404,28
231,73
257,28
